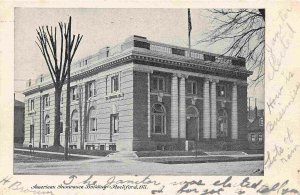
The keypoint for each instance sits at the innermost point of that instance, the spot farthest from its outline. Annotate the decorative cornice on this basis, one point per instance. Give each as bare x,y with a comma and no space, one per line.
135,57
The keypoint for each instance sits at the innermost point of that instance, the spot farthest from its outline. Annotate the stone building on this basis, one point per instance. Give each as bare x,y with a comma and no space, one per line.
144,95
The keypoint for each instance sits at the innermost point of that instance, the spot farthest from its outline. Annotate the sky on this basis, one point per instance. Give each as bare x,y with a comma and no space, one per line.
107,27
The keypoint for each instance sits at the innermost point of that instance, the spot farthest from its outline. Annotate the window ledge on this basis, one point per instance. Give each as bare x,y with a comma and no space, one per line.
193,96
158,91
114,95
73,102
92,131
47,108
92,98
158,134
31,112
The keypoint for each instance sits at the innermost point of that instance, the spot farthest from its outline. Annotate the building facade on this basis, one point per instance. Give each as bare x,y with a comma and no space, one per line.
19,109
144,95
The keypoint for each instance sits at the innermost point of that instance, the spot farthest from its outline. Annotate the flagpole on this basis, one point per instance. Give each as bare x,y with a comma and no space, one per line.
189,29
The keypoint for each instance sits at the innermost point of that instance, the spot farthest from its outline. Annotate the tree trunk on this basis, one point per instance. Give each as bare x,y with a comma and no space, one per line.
68,105
57,117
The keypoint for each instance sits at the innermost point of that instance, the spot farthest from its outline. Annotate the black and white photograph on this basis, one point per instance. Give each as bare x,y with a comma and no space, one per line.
139,91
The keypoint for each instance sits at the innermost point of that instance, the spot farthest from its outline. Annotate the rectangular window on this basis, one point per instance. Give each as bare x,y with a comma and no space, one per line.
47,128
114,118
221,91
115,83
112,147
31,134
74,93
158,83
158,124
93,124
31,105
260,137
75,126
191,87
92,89
46,100
261,122
253,137
102,147
61,127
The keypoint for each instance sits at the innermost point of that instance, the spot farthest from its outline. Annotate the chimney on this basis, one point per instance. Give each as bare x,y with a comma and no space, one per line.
255,109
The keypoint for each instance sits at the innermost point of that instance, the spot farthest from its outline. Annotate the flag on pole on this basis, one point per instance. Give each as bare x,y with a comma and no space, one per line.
189,21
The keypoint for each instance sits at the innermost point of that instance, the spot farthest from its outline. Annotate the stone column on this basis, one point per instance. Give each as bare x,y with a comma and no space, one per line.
234,117
149,106
174,107
213,110
182,108
206,110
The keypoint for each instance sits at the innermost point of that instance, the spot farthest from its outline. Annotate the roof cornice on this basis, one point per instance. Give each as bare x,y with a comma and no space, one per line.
146,57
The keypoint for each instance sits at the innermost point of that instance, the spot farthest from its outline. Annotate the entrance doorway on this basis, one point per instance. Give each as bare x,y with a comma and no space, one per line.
192,123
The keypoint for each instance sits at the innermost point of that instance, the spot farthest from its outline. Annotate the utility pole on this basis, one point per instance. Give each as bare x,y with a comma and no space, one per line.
80,116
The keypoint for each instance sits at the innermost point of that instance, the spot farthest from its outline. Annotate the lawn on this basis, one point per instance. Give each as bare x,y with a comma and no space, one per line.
168,153
21,158
73,151
26,157
200,159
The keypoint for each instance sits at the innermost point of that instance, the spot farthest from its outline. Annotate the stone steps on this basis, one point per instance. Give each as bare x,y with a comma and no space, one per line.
123,155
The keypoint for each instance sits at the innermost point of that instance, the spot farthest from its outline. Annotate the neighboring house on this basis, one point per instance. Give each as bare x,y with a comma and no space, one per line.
19,110
255,112
144,95
256,132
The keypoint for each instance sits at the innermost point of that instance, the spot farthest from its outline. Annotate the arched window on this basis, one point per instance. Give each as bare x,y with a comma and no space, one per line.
158,119
74,121
192,112
47,124
92,120
222,123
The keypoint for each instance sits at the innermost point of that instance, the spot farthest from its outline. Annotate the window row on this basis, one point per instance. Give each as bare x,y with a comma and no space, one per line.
158,83
77,92
256,137
92,122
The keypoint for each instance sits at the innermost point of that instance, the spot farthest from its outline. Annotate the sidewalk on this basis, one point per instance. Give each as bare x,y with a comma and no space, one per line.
221,156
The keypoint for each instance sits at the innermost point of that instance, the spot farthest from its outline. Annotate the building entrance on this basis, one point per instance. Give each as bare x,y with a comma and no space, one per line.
192,123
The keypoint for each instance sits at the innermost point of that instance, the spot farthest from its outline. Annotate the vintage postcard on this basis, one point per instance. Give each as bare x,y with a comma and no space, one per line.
149,98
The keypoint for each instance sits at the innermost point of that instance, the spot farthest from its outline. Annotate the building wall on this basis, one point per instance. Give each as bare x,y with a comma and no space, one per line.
242,112
141,141
32,118
131,103
19,124
104,104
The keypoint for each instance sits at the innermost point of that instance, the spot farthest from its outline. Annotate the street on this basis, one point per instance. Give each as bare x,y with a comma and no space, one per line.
106,166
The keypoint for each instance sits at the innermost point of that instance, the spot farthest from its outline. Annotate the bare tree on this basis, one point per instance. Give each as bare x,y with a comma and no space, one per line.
243,33
58,61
